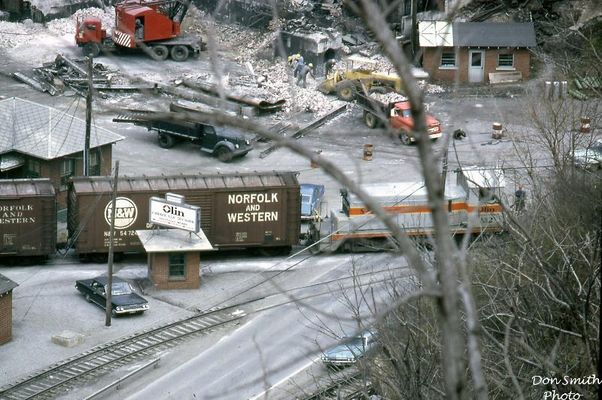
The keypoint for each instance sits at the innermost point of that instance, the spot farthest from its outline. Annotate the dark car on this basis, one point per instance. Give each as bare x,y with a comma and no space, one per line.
311,197
589,157
349,350
123,298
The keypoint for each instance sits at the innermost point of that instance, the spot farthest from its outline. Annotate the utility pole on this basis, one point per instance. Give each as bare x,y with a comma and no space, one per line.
414,34
88,119
108,307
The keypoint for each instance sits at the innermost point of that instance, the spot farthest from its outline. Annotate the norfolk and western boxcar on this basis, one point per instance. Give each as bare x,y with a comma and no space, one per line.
253,210
27,219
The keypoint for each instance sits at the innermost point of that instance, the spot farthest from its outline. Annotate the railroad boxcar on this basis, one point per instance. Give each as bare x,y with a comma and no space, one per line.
27,220
472,202
251,210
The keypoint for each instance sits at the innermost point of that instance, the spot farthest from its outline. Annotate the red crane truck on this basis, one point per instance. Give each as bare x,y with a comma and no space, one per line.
398,115
151,26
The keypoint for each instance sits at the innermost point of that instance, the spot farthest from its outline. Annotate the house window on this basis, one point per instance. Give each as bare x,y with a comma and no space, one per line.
448,59
177,266
34,168
67,171
505,60
94,165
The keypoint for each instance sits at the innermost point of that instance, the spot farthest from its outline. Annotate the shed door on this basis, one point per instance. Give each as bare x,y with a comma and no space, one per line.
477,63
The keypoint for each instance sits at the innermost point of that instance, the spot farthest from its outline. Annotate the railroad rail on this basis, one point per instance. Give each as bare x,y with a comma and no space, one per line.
51,381
301,132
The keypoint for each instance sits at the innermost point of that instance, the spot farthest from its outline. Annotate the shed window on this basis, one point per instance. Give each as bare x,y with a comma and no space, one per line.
94,166
505,60
448,59
34,168
177,266
67,171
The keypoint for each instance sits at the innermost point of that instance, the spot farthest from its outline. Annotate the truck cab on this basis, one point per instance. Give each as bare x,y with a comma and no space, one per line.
401,119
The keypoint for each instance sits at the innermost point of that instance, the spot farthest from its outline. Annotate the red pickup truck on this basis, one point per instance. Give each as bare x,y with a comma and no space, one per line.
397,113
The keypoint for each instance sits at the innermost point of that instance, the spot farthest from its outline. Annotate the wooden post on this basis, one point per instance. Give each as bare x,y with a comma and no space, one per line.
108,307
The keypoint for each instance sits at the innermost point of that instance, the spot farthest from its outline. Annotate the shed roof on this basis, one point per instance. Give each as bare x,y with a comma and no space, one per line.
44,132
494,34
6,285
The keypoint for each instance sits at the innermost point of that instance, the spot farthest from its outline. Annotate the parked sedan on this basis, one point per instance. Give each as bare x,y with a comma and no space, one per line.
123,298
349,350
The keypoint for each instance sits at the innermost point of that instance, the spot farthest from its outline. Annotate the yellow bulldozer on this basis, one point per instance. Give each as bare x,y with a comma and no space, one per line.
347,83
361,75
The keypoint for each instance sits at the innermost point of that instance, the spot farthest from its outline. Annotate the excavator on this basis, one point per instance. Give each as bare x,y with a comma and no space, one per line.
152,26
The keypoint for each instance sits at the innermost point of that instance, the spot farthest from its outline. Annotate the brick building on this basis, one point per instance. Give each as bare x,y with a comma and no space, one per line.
37,141
6,308
474,52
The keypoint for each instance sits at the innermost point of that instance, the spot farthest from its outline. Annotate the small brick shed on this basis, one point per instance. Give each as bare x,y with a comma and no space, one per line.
6,308
471,52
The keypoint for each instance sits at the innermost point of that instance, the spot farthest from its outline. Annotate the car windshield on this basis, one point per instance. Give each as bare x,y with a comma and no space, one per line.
305,198
354,342
230,133
121,288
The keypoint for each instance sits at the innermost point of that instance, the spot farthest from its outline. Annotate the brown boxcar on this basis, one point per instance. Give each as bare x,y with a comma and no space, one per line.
254,210
27,218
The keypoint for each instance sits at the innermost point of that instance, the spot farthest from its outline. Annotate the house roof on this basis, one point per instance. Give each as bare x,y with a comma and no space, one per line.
494,34
44,132
6,285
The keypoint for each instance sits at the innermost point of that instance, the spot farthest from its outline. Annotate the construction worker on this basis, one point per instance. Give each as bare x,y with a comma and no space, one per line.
303,72
299,64
139,30
520,197
329,66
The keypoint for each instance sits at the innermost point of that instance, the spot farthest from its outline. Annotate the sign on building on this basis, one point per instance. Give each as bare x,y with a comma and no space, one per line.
435,34
174,214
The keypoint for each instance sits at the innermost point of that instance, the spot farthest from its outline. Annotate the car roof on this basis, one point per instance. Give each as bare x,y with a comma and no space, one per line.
104,280
309,187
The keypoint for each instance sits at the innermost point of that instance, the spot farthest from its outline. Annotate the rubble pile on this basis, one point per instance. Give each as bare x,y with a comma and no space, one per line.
66,26
14,34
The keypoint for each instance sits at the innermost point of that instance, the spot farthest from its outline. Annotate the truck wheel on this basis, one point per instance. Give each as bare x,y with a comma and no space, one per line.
223,154
159,53
179,53
405,138
345,90
166,141
370,119
91,50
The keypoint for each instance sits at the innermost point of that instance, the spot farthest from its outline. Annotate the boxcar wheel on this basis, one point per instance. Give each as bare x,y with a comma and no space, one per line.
179,53
159,53
166,141
224,154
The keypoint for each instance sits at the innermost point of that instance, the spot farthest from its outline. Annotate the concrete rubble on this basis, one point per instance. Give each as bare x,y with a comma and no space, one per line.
259,75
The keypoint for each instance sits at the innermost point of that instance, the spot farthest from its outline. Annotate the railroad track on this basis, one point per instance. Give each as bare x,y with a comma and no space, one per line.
51,381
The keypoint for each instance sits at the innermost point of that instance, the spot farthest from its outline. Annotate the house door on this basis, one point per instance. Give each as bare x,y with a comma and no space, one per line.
475,69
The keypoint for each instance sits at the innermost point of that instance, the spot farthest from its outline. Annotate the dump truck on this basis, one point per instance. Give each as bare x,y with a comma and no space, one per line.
153,26
395,110
222,142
